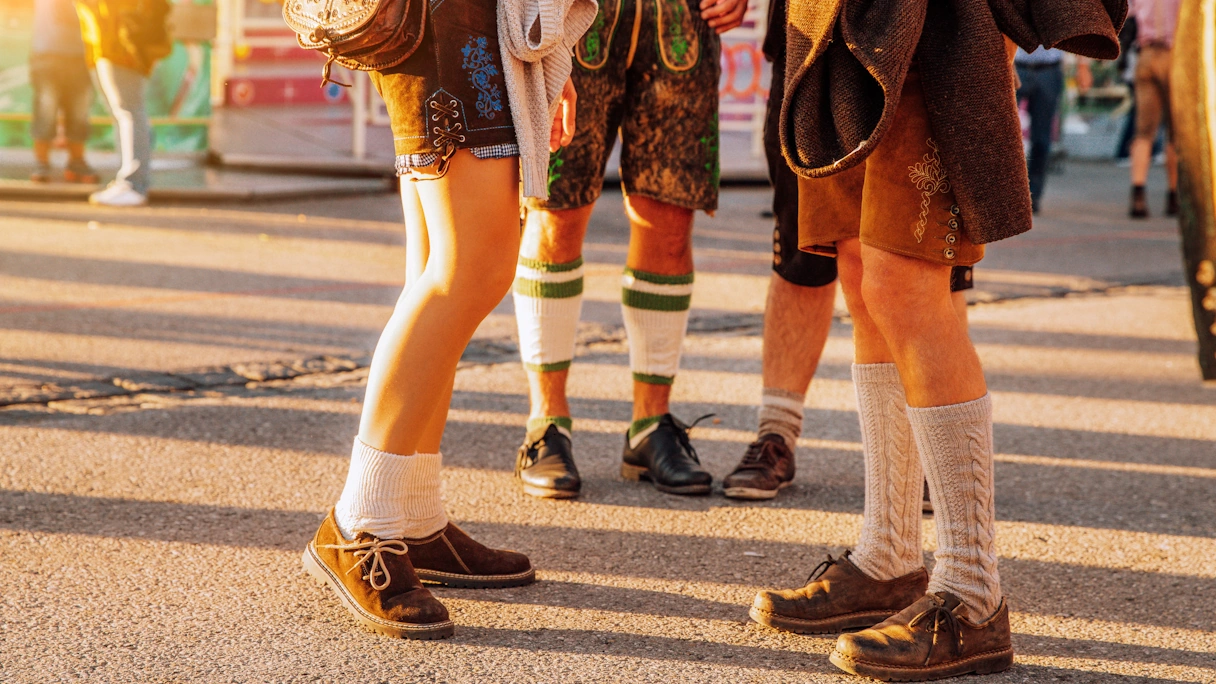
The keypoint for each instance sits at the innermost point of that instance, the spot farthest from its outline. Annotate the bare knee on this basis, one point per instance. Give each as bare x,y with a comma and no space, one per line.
555,236
903,293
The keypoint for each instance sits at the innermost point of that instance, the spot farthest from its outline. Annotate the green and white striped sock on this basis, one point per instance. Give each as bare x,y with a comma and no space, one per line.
548,301
641,428
655,309
536,426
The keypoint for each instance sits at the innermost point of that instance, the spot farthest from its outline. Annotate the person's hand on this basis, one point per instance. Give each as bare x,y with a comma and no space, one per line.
562,131
723,15
1085,77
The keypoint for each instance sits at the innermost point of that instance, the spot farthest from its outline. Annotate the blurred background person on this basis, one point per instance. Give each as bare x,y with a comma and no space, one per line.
124,40
60,79
1040,84
1156,22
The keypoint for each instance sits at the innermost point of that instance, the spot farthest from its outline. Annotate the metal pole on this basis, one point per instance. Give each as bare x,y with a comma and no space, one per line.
222,55
1193,106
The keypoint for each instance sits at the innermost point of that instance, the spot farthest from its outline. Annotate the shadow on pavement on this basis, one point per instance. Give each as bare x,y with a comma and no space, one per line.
1032,586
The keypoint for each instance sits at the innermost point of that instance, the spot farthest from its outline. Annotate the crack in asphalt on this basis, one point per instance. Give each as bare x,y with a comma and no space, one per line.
155,389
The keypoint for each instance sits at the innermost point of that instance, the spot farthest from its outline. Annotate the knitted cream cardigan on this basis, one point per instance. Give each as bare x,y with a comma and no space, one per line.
536,38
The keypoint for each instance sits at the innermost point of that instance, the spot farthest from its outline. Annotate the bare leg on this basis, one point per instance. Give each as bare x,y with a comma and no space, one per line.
797,320
1171,165
465,277
921,328
660,242
1142,158
42,151
417,251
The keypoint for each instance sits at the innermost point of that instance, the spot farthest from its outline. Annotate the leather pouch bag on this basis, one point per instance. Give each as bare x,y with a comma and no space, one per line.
366,35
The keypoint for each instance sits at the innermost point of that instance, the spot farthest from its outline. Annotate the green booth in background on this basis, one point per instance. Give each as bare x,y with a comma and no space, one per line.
179,91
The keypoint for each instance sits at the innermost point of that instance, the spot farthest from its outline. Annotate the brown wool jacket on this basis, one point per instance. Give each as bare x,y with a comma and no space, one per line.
846,63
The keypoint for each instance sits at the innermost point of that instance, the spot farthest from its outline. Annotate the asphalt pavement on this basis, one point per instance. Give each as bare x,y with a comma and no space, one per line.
180,385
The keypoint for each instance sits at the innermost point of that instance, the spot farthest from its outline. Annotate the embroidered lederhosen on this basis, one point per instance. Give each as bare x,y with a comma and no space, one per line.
451,93
648,70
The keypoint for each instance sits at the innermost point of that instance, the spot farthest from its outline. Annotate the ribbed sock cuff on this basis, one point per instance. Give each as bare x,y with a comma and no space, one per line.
390,496
641,428
537,426
875,373
780,414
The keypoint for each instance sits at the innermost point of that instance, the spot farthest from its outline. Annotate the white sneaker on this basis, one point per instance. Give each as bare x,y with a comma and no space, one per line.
118,195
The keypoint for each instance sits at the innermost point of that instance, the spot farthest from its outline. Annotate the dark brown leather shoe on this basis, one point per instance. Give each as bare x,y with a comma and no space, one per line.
767,467
374,580
928,640
837,596
452,558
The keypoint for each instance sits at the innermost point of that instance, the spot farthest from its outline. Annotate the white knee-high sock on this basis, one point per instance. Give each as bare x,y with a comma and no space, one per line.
391,496
548,301
890,531
955,443
655,309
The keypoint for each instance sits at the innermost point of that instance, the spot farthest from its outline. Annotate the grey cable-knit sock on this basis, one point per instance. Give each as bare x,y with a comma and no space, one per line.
890,530
955,443
781,414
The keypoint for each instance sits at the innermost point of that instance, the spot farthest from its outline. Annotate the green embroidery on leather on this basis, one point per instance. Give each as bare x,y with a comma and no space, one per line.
555,164
679,43
677,38
713,163
591,40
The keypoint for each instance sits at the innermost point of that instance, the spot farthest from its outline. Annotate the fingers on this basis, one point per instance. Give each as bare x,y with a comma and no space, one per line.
561,132
568,111
723,15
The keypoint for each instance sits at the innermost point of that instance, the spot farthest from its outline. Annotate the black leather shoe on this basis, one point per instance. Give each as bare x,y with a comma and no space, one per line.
545,465
667,458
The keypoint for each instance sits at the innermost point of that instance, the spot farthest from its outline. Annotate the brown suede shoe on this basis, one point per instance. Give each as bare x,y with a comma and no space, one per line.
374,580
928,640
452,558
766,468
837,596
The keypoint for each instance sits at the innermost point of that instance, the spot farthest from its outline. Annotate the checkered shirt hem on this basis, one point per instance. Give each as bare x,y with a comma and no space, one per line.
407,162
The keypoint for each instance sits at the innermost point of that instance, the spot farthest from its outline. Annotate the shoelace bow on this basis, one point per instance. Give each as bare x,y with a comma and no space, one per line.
818,570
941,616
373,550
685,441
761,453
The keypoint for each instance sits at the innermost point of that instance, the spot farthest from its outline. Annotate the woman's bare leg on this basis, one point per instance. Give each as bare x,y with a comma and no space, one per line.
417,251
472,226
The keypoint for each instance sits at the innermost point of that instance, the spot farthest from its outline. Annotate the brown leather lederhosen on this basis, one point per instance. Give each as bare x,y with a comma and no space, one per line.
450,94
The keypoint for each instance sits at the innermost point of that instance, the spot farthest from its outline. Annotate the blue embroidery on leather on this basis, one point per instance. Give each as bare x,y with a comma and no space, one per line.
479,62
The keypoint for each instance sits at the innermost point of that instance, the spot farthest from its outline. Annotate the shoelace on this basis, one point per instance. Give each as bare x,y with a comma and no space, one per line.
818,570
762,454
941,616
372,550
682,435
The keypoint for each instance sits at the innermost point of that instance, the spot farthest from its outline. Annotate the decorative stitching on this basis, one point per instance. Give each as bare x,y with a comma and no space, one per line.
928,177
479,62
454,553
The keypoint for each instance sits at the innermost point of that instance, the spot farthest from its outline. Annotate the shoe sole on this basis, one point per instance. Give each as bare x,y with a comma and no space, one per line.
459,581
549,493
401,630
981,664
753,494
642,473
833,625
